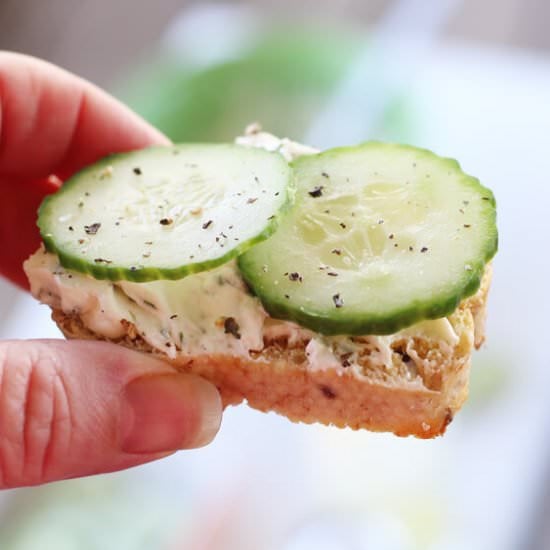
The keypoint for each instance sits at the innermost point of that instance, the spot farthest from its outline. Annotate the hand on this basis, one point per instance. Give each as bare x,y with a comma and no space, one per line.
70,409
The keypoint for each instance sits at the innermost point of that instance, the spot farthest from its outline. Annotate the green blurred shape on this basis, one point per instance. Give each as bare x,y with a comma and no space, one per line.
283,81
100,513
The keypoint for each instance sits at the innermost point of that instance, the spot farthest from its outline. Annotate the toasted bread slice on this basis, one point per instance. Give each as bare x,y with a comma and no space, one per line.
418,394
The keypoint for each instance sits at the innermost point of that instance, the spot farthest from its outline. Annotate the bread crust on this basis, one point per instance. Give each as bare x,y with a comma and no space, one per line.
416,398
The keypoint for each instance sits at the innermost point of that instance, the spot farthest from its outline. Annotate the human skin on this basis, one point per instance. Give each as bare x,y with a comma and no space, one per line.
70,409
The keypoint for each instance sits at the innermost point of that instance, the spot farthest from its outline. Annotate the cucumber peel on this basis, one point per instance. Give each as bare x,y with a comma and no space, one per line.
166,212
381,236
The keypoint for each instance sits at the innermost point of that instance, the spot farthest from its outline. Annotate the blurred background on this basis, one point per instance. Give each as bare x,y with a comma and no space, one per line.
467,79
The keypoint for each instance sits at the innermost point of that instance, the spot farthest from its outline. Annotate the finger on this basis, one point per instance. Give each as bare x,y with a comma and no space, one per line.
19,236
52,122
70,409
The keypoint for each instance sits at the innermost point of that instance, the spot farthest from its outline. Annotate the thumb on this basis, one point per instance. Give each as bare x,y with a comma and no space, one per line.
70,409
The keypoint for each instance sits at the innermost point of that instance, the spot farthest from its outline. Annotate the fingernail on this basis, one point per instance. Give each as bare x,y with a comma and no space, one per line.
163,413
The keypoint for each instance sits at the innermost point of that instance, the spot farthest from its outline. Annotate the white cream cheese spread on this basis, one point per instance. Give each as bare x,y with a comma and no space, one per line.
211,312
190,316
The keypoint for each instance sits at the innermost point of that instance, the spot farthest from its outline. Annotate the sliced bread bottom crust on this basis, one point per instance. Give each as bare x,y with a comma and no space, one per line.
418,395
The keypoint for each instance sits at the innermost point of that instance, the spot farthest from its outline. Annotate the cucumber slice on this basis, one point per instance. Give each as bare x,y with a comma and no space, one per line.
165,212
380,237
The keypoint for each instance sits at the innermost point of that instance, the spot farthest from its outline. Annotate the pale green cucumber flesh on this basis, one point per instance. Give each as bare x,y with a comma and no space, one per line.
380,236
166,212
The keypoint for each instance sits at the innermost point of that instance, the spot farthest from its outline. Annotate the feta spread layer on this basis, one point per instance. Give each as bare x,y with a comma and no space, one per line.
206,313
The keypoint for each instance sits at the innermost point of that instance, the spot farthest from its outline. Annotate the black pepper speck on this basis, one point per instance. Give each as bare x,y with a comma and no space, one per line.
92,229
345,359
316,192
230,326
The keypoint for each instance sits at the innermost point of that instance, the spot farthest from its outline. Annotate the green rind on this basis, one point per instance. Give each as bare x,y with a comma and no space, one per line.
393,321
146,274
